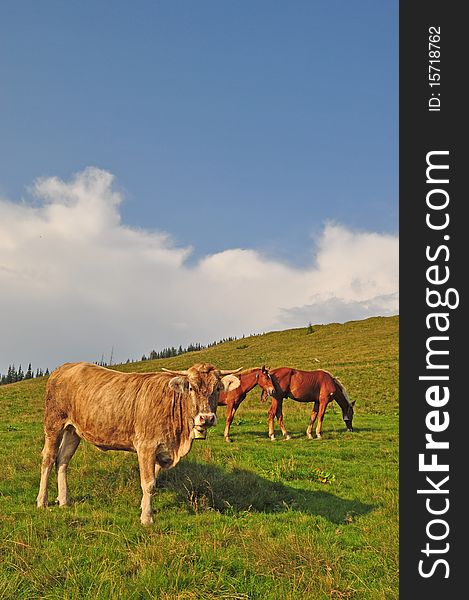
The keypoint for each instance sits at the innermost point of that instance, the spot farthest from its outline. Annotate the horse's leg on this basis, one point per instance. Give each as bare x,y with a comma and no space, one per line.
314,414
231,409
279,415
323,402
271,416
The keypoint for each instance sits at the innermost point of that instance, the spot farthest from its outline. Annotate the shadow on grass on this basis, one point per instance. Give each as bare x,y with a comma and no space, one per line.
207,487
295,434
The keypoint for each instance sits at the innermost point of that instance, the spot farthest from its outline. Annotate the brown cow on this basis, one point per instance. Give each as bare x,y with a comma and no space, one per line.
233,398
156,415
319,387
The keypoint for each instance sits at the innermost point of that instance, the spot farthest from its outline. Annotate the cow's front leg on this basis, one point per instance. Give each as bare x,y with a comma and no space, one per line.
146,462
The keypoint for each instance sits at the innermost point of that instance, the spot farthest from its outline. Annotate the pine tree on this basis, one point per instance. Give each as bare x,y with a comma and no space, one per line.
29,372
11,377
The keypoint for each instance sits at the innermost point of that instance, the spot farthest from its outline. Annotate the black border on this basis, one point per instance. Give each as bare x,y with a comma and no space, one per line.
422,131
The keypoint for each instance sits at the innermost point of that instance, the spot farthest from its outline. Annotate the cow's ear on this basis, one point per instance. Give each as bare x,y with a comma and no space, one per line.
179,384
230,382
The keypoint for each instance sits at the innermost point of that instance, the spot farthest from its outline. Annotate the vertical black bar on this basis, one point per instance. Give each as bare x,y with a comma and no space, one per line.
433,38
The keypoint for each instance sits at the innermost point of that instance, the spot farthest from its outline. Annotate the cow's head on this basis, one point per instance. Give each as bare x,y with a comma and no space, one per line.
265,381
203,384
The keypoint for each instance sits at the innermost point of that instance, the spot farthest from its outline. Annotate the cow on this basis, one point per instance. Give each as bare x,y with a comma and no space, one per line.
319,387
233,398
157,415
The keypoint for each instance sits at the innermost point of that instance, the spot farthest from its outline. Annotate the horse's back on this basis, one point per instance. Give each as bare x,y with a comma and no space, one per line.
311,386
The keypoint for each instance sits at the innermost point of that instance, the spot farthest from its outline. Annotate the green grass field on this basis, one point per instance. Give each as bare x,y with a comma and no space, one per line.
253,519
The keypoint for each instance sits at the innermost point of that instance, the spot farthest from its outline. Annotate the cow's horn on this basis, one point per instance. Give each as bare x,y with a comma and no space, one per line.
229,372
174,372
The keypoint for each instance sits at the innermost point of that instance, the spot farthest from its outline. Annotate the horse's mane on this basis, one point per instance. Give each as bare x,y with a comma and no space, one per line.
248,371
341,386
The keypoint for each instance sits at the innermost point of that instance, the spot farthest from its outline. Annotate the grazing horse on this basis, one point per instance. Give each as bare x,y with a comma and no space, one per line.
233,398
317,386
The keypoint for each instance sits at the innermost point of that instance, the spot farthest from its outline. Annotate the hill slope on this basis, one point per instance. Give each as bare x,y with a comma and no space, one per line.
362,354
247,520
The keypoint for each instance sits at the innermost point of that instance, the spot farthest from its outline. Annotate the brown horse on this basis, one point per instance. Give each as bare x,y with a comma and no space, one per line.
249,379
317,386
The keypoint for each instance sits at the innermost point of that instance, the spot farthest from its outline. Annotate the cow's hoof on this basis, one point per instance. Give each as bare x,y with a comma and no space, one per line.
146,521
272,438
309,436
227,439
287,437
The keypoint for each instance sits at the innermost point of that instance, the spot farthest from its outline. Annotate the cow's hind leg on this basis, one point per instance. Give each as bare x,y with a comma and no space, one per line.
49,454
67,449
314,414
147,463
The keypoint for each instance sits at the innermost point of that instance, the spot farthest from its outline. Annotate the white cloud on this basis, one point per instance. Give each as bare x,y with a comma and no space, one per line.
75,281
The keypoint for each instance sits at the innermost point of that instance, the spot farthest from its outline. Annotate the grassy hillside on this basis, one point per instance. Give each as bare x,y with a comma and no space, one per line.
251,519
362,354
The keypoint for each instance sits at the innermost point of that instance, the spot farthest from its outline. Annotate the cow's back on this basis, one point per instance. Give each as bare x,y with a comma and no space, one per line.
103,405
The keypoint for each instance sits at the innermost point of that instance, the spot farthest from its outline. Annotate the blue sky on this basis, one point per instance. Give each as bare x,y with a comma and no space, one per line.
250,134
282,115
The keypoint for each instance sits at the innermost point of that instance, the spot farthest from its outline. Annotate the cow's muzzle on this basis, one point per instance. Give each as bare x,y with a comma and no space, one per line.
201,424
205,419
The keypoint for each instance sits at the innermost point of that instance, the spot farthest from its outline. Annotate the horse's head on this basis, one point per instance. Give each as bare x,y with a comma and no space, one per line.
265,381
347,415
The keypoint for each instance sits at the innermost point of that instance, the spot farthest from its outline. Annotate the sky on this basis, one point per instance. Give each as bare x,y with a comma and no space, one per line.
177,172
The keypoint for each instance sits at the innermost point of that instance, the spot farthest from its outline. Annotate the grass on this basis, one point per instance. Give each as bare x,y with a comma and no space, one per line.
252,519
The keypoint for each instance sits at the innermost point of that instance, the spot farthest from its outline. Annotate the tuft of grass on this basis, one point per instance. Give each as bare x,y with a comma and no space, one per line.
324,476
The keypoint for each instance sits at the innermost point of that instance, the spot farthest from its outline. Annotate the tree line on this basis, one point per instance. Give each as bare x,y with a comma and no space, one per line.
14,375
172,351
17,374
